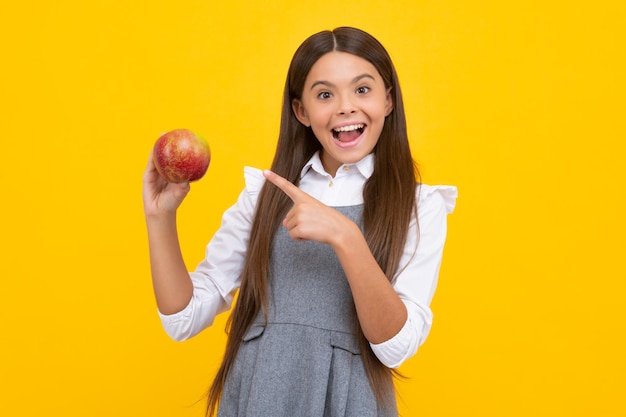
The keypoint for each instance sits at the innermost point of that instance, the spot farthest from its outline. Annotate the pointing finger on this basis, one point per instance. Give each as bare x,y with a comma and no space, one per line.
293,192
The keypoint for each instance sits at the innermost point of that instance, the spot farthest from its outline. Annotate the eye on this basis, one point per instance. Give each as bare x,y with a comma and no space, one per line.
324,95
362,90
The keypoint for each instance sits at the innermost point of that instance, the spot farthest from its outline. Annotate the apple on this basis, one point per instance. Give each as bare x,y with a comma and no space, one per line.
181,156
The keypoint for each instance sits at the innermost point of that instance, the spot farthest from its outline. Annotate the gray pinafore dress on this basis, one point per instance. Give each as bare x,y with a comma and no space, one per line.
305,361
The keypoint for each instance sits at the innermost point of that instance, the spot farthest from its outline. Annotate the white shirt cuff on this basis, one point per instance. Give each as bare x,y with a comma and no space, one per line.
393,352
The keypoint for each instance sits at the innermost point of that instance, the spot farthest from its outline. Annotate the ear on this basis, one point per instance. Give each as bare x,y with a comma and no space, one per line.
300,112
388,103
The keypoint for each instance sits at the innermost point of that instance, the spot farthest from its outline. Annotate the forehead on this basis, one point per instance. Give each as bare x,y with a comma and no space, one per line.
340,67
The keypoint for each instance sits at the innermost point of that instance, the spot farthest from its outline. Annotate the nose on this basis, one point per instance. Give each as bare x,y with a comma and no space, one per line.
346,105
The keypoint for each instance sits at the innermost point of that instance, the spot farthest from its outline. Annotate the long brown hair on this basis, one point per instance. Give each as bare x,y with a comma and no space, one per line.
389,197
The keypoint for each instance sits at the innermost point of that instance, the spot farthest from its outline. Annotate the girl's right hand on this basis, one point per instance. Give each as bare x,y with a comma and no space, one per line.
159,196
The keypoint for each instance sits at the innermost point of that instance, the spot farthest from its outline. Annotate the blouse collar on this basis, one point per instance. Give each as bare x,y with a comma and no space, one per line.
365,165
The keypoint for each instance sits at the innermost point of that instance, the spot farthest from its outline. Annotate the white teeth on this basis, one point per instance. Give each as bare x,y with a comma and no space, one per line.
348,128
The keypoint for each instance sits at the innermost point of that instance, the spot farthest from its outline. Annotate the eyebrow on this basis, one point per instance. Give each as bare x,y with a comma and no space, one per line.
354,80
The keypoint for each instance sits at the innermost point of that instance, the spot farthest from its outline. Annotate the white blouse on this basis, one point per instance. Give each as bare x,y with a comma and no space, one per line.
217,277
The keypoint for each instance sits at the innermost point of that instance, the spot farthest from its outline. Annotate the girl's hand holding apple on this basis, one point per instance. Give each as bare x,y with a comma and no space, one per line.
159,196
177,158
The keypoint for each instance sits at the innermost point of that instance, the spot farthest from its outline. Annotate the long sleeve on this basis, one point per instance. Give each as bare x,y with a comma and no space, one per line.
217,277
419,271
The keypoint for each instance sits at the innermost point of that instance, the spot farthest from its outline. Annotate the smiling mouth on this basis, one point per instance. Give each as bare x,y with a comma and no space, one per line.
348,133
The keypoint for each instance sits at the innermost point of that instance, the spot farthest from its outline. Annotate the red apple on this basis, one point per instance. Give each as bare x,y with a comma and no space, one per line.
181,156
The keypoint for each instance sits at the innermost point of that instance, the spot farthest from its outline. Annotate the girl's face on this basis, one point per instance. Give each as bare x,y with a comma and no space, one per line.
345,103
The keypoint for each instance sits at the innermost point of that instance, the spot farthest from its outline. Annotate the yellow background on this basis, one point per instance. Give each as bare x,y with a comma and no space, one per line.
518,103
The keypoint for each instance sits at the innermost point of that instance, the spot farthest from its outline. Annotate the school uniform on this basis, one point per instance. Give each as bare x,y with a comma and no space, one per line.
305,360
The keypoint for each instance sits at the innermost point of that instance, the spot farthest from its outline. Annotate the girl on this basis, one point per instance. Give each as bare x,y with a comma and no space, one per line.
335,251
